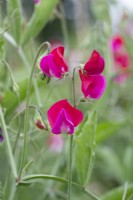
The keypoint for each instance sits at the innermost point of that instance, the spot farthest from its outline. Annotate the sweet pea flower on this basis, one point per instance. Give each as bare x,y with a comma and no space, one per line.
92,86
54,64
36,1
117,43
63,118
121,56
93,83
55,143
95,65
121,59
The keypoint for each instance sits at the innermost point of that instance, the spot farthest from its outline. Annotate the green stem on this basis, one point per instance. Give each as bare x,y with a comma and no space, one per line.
70,168
71,142
9,70
64,30
9,149
27,105
26,180
73,87
27,64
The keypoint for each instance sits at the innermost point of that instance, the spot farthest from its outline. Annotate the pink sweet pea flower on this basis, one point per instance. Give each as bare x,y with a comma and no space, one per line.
121,59
54,65
121,77
93,84
55,143
117,43
63,118
36,1
95,65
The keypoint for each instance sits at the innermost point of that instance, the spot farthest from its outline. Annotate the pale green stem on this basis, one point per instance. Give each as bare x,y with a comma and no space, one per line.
26,180
27,64
70,168
71,141
27,105
125,191
10,71
73,87
65,31
9,149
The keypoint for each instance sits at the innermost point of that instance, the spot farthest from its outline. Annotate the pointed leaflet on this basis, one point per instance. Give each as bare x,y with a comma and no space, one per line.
39,19
15,16
85,148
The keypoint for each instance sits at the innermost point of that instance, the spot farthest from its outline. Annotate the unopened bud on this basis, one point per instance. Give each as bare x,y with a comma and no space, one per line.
82,99
40,125
14,87
42,76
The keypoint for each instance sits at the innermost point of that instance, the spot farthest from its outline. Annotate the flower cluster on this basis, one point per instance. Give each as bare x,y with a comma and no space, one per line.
63,117
121,58
93,83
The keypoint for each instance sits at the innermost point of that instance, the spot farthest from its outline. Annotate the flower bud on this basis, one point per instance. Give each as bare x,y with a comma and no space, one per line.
40,125
14,87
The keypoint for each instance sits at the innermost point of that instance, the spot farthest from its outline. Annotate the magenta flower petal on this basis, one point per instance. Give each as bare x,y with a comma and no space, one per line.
54,64
92,86
36,1
95,65
117,43
122,59
63,117
63,124
59,59
44,65
122,77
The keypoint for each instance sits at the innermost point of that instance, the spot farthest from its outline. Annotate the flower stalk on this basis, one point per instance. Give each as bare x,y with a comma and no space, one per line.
9,149
71,141
27,105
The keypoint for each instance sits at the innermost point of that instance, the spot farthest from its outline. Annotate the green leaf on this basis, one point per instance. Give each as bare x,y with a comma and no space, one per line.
39,19
15,17
116,194
105,129
85,148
